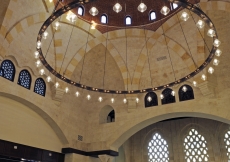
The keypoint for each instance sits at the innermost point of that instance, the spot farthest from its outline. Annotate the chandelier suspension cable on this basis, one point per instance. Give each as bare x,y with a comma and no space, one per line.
200,32
66,49
84,54
186,41
126,52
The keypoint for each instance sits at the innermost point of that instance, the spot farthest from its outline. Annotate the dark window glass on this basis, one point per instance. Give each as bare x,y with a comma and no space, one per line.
168,97
7,70
186,93
40,87
151,99
24,79
111,117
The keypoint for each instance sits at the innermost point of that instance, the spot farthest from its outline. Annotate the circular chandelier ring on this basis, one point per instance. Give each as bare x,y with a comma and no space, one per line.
77,3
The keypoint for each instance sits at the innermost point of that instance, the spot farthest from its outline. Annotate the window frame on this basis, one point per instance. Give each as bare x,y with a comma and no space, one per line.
128,16
13,73
29,78
150,13
83,10
44,87
106,17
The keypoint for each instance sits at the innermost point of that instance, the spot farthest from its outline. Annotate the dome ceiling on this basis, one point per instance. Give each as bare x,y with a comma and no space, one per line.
116,21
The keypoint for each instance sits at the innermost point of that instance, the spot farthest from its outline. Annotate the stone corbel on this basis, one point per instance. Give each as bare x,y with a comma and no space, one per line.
131,101
57,94
207,88
106,158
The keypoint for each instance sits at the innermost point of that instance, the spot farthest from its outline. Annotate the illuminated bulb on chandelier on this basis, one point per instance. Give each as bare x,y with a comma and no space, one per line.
57,85
117,7
184,89
100,99
211,33
39,44
93,11
38,63
51,1
93,26
216,62
77,93
184,16
42,71
165,10
36,54
218,52
203,77
200,24
142,7
149,98
125,100
45,34
66,90
48,79
112,100
216,43
137,100
194,83
211,70
88,97
56,25
173,93
71,16
162,96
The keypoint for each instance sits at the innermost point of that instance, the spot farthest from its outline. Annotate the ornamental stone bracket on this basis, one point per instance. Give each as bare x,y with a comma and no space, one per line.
57,94
106,158
207,88
131,102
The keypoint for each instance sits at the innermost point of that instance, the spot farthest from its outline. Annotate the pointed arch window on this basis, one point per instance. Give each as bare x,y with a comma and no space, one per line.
167,96
151,99
158,149
227,143
24,79
128,20
152,15
40,87
186,93
80,11
104,19
195,147
111,117
7,70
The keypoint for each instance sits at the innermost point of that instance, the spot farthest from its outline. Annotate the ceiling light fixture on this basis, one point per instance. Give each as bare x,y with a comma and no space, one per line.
165,10
142,7
93,11
117,8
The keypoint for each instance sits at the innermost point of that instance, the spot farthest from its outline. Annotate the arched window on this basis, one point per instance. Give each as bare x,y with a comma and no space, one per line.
128,20
80,11
173,6
227,143
104,19
7,70
186,93
40,87
151,99
24,79
167,96
152,15
195,147
111,117
158,149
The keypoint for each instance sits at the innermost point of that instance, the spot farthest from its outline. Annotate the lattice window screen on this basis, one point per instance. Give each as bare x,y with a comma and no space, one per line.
227,143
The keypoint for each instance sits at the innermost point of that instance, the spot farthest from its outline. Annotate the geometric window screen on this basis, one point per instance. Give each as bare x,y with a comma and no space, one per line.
40,87
158,149
7,70
24,79
227,143
195,147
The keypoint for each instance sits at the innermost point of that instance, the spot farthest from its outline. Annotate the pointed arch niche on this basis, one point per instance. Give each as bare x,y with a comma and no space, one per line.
107,115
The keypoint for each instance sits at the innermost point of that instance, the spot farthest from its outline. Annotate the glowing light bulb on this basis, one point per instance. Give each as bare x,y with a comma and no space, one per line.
137,100
88,97
56,25
194,83
203,77
77,94
149,98
93,26
51,1
211,70
216,43
162,96
211,33
173,93
42,71
36,54
57,85
93,11
112,100
117,7
39,44
100,99
200,24
48,79
125,100
142,7
45,34
216,62
184,89
66,90
184,16
71,16
38,63
218,52
165,10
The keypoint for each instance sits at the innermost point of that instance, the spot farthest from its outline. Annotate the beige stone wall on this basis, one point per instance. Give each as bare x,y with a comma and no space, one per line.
174,132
